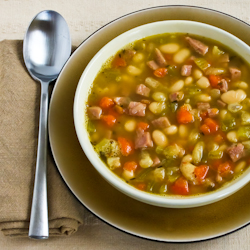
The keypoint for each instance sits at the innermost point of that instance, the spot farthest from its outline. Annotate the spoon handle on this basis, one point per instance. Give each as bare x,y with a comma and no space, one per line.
39,226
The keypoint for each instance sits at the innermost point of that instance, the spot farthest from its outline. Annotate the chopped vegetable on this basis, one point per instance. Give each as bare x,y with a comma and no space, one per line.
214,81
198,152
225,169
244,133
108,148
145,161
180,187
106,102
201,172
143,125
126,146
109,120
160,72
184,115
202,63
130,165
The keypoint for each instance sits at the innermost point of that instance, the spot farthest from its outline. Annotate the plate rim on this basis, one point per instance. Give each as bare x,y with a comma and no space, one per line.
52,151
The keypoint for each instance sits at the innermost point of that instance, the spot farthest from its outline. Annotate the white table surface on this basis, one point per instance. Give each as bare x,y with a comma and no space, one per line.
84,17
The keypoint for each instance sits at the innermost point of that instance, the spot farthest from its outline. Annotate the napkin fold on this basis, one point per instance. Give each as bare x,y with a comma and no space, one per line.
19,117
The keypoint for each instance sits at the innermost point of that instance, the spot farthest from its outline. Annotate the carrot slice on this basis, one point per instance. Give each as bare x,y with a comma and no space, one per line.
109,120
106,102
225,169
212,124
141,186
214,81
184,116
201,172
119,62
126,146
205,129
180,186
130,165
160,72
143,125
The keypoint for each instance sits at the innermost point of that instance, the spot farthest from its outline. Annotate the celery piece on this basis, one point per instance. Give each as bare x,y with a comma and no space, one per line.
108,148
215,154
194,91
245,118
173,106
163,189
159,150
246,147
171,152
244,133
172,70
150,186
228,124
144,173
91,127
215,71
172,174
234,107
201,63
217,52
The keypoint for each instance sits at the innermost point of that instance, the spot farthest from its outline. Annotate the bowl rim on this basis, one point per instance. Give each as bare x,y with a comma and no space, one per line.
171,201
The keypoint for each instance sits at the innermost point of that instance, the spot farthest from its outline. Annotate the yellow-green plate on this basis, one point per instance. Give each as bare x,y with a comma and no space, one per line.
124,213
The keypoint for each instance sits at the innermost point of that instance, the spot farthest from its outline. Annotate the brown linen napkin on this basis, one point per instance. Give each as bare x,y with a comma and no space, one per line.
19,116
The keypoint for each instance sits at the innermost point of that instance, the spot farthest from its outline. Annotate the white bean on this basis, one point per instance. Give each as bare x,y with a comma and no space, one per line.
130,125
204,98
151,82
183,131
171,130
128,175
134,71
159,96
138,57
197,74
203,82
232,136
177,86
243,85
159,138
170,48
233,96
181,55
187,158
188,80
157,107
240,166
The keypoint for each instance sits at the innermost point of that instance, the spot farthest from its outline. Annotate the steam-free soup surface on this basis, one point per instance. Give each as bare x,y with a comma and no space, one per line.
169,114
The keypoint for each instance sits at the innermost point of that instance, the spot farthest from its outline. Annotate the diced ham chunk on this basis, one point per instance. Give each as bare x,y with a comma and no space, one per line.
221,103
161,122
197,45
136,109
160,60
223,86
176,96
236,151
152,65
143,139
122,101
142,90
203,105
94,112
186,70
235,73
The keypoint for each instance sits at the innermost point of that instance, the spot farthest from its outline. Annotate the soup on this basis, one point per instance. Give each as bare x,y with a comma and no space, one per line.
169,114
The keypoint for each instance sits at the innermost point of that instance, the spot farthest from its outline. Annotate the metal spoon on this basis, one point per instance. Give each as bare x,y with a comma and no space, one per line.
46,48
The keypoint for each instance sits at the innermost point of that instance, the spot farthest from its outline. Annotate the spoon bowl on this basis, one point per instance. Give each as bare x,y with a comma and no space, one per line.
46,48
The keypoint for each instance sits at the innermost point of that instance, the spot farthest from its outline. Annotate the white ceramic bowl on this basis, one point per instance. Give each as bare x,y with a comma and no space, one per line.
91,72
